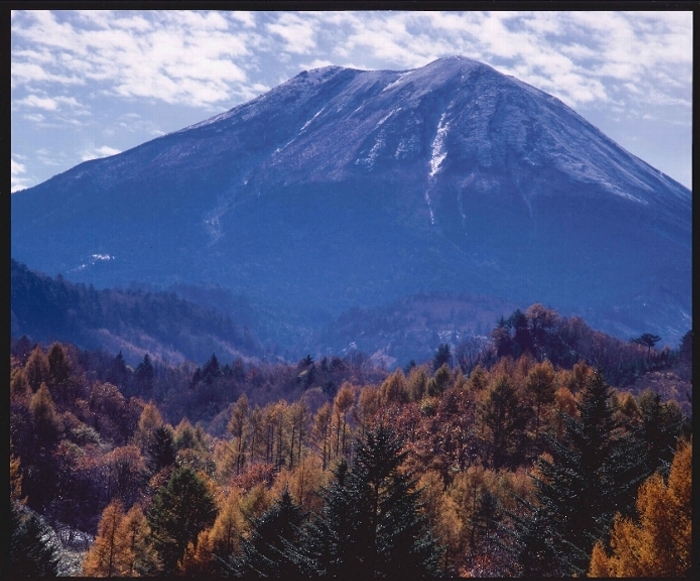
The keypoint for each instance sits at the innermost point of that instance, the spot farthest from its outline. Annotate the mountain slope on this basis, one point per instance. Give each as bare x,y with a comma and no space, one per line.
345,188
136,323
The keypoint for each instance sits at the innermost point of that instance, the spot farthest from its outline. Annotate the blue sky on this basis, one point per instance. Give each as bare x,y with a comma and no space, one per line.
88,84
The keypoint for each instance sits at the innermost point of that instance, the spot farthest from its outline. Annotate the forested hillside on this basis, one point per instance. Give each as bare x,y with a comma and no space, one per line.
516,458
134,322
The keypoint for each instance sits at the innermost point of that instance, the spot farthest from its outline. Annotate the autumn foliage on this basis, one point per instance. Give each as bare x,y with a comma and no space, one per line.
659,543
108,449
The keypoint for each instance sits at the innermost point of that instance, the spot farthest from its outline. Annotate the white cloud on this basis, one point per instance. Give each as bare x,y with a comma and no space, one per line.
17,180
177,57
47,103
39,102
16,167
104,151
131,60
246,18
297,32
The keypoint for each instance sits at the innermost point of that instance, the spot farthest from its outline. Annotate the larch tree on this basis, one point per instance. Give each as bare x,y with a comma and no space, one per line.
109,554
19,386
659,544
141,559
225,534
149,420
321,433
342,404
540,385
47,426
37,368
237,428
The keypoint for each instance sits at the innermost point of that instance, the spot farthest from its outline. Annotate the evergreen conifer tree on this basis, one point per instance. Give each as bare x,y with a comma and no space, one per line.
371,525
267,552
31,553
180,511
578,491
161,448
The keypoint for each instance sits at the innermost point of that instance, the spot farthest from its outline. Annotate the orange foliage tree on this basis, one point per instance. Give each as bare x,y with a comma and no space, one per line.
660,545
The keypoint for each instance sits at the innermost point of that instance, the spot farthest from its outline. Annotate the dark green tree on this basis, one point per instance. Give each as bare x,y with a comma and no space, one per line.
580,489
505,418
118,374
685,350
161,449
31,553
522,340
442,356
647,340
655,437
145,374
484,521
180,511
59,371
528,541
211,370
371,524
269,551
439,382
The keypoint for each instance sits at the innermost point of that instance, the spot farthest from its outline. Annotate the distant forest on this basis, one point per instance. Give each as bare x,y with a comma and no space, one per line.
550,450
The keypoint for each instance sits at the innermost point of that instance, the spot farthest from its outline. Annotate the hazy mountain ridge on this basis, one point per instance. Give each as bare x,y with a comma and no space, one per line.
344,188
134,322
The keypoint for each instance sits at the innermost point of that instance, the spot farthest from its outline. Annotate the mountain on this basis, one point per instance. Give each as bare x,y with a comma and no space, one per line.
344,189
409,329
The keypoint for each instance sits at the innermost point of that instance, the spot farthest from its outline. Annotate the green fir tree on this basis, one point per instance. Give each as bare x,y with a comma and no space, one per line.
31,553
371,524
578,491
180,511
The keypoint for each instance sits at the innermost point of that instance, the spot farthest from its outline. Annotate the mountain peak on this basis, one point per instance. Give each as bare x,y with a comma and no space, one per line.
345,187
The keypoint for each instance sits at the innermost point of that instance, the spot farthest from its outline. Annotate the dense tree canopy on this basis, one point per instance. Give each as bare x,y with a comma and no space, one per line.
405,472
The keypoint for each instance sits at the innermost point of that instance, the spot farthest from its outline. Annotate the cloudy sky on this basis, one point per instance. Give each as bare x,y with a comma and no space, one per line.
89,84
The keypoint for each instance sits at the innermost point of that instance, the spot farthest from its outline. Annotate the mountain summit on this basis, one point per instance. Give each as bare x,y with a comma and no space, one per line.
344,188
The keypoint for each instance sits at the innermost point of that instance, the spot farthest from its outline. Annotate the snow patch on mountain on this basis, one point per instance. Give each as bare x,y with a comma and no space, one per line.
438,147
400,78
310,120
383,119
430,207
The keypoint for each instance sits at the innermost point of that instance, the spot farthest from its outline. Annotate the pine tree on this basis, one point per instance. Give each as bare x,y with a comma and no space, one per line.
371,524
161,449
442,356
532,547
578,490
145,375
505,418
59,372
180,511
266,553
31,553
